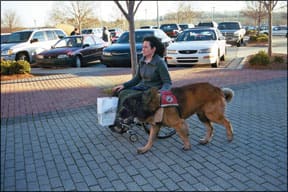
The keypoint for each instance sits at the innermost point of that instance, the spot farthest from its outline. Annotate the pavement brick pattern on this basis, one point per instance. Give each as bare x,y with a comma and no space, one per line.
53,142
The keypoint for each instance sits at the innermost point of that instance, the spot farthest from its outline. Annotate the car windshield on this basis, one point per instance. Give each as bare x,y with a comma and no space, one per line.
196,35
139,36
168,27
19,37
71,41
228,26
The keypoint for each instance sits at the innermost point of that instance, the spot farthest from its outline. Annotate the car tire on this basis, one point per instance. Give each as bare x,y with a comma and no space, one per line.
22,57
78,62
223,56
216,64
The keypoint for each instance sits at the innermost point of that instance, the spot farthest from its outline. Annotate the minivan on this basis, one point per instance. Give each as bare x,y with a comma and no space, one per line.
25,44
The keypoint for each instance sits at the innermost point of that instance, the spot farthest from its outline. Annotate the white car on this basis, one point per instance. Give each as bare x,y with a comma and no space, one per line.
197,46
276,31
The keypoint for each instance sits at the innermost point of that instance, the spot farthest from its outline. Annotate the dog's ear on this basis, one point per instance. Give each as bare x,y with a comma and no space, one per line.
151,98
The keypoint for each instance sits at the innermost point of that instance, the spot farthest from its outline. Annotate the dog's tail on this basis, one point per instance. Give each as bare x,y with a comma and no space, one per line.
228,94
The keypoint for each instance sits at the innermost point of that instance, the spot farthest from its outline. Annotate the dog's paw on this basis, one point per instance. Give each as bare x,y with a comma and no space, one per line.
230,138
186,148
204,141
141,150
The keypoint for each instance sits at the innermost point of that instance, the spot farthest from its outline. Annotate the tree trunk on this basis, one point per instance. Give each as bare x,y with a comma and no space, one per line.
132,44
270,32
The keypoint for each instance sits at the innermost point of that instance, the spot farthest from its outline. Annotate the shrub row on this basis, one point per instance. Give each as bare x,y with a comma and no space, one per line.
258,38
10,67
262,58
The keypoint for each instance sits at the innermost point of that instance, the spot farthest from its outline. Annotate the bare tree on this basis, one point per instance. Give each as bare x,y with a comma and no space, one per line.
185,13
77,13
129,15
270,5
256,11
10,20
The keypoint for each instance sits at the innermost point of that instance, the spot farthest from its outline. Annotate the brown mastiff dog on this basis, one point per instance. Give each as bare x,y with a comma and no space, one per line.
204,99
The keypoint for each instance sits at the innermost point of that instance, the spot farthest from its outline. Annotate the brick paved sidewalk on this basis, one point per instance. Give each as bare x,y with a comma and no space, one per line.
65,91
65,149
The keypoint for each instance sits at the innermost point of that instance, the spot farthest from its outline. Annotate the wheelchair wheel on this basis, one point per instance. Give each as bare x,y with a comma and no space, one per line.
164,132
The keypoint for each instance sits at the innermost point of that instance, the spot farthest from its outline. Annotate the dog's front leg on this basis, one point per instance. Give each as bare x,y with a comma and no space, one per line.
152,136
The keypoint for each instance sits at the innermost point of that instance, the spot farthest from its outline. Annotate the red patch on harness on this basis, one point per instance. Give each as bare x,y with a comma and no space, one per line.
168,99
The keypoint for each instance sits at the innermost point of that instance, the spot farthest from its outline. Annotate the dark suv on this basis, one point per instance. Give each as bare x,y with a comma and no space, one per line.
208,24
172,29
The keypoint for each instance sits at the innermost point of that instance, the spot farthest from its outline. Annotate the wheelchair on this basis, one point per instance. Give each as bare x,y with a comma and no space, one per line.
164,131
130,125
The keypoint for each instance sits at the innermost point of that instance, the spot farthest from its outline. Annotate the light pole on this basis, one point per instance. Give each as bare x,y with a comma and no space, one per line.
157,14
213,8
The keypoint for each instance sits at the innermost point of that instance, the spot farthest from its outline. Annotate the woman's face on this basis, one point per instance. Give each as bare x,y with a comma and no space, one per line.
147,51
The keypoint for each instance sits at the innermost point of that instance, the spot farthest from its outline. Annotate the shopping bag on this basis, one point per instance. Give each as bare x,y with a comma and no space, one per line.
106,110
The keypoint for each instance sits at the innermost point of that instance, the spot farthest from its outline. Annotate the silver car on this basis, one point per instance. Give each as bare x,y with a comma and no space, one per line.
24,45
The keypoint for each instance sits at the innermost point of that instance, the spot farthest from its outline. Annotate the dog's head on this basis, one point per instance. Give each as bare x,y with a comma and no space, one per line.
141,106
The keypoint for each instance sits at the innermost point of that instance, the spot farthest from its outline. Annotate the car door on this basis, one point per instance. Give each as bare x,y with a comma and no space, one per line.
89,49
221,42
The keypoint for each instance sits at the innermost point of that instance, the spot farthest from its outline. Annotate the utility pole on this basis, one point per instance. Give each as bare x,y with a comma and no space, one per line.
157,14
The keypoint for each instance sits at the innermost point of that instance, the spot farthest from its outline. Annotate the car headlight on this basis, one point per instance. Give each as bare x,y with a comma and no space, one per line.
7,52
236,33
62,56
172,51
205,50
107,54
39,56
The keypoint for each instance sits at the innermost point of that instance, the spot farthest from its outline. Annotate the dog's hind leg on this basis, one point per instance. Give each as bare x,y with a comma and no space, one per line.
222,120
209,128
154,130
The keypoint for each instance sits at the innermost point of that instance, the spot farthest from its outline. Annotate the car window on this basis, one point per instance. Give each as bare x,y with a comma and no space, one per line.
89,40
139,36
70,41
228,25
60,33
4,38
39,35
19,37
51,35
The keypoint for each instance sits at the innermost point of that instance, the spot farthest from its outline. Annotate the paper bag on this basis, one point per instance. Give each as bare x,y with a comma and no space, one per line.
106,110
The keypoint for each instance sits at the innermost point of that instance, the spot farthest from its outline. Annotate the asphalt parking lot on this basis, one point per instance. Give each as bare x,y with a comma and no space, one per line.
51,140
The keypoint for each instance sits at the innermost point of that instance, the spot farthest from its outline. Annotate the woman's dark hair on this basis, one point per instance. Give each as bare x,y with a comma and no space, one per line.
155,42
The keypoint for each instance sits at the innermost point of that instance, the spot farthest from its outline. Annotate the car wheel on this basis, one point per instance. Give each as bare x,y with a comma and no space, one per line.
22,57
216,64
78,62
223,56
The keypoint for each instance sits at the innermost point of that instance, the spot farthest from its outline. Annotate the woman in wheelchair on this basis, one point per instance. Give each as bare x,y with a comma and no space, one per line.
152,71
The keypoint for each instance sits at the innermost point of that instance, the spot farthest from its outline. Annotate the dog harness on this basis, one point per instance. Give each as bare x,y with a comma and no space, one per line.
167,99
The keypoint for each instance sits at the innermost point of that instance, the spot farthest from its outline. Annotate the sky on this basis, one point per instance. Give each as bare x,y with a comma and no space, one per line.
35,13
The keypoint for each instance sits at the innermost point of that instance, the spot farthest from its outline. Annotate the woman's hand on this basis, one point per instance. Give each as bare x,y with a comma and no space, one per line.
117,88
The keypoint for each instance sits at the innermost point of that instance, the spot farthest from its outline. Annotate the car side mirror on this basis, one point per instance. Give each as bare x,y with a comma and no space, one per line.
33,40
85,45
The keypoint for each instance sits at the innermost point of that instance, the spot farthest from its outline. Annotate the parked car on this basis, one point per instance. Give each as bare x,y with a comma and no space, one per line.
276,31
118,54
115,34
208,24
197,46
233,32
74,51
172,29
4,37
186,26
95,31
24,45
